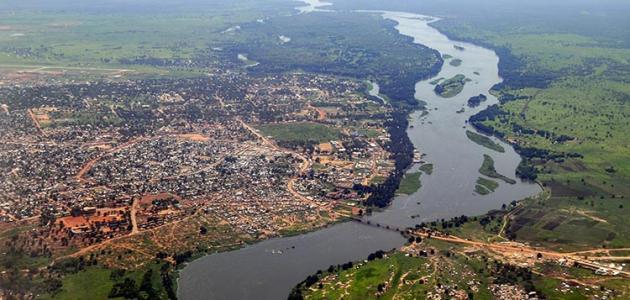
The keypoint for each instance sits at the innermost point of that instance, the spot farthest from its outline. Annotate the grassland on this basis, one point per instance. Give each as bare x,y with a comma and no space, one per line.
98,283
410,183
300,132
164,40
554,222
451,87
363,282
487,169
484,141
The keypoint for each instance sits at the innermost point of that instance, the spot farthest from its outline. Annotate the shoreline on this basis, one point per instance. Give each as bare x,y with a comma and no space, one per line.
402,112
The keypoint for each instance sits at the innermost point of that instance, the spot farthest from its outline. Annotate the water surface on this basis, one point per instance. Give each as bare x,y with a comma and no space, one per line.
268,270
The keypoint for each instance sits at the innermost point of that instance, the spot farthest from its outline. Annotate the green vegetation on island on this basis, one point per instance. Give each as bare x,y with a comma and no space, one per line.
484,141
455,62
451,87
426,168
485,186
410,183
487,169
436,81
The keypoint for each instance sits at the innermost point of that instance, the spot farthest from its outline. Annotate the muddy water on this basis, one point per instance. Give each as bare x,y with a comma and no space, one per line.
268,270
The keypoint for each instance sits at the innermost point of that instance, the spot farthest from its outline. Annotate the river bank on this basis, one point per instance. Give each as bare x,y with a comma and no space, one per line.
269,269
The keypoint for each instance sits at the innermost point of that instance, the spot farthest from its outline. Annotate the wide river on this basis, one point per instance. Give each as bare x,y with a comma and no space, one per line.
269,269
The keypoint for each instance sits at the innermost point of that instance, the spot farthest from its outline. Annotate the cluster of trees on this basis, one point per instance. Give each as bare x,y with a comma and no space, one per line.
490,113
296,293
474,101
517,128
376,255
513,275
402,152
348,44
127,287
513,70
526,170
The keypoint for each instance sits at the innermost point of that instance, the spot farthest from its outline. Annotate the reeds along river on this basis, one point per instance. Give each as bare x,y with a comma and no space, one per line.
270,269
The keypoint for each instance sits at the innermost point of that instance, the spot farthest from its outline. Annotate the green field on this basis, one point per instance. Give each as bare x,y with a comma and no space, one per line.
487,169
554,222
484,141
163,40
451,87
410,183
98,283
300,132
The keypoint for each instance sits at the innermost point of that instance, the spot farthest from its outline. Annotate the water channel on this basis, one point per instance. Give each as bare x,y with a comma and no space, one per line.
269,269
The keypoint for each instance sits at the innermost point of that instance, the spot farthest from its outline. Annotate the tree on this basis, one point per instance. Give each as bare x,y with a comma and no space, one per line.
126,289
147,285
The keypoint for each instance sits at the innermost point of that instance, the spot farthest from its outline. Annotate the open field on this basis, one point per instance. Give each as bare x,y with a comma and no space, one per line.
130,39
300,132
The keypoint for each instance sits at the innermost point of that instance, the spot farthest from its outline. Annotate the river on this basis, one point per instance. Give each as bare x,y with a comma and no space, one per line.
269,269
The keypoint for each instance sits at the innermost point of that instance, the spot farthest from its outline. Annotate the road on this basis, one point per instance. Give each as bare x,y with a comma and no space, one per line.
507,249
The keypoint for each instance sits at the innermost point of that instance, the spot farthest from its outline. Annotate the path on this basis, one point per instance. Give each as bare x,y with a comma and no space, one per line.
34,119
134,211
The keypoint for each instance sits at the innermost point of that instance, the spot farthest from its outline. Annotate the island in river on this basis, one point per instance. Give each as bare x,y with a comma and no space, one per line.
451,87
